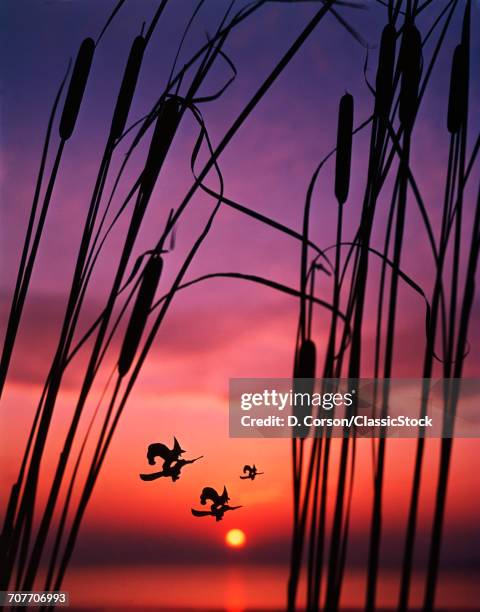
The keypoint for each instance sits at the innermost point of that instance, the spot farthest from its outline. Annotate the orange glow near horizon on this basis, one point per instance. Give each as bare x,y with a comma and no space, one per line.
235,538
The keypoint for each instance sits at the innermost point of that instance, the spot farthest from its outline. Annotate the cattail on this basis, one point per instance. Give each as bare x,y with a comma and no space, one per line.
306,362
127,88
165,128
457,103
76,88
344,148
304,382
140,312
386,65
411,67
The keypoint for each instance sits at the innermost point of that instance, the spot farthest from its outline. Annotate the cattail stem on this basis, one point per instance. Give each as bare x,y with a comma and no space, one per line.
68,497
16,308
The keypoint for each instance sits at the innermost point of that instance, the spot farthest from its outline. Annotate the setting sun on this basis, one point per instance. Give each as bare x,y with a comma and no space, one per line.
235,538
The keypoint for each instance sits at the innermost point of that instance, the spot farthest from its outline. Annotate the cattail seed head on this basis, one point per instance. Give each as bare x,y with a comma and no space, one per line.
304,382
384,78
140,312
344,148
457,103
127,88
411,67
76,89
306,362
165,128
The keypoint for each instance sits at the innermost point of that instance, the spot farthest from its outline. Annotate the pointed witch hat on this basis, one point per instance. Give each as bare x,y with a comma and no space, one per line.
177,448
